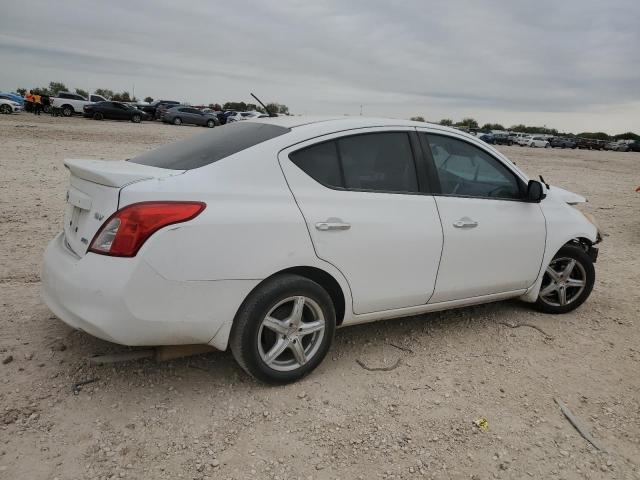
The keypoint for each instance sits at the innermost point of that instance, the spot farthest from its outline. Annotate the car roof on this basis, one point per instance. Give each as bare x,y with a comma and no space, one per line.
328,124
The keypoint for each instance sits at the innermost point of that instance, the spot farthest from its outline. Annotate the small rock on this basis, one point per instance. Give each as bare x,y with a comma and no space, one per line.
58,347
302,394
8,359
215,463
28,356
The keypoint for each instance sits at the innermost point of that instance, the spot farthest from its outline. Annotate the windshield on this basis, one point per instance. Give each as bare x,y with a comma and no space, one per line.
209,147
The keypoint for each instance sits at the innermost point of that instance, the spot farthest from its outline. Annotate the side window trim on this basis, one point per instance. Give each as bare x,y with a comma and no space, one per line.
432,168
423,186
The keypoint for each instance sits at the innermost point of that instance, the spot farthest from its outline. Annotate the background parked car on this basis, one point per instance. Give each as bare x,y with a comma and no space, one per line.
538,142
190,115
239,116
114,111
617,146
560,142
71,103
590,143
634,146
163,107
14,97
9,106
486,138
152,108
501,138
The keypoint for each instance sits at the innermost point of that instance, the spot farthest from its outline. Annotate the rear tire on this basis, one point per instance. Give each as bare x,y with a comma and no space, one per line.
6,109
567,282
136,118
284,329
98,116
177,121
67,110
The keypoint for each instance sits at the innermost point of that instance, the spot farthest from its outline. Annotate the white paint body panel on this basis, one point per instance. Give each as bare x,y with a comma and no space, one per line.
390,252
188,280
502,253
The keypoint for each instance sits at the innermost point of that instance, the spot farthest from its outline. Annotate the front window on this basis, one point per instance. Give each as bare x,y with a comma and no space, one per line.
466,170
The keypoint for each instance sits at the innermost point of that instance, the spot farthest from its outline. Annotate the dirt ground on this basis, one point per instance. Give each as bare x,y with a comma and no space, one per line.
202,417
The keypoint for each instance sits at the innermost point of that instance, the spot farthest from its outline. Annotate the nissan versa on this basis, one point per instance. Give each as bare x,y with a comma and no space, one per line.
265,235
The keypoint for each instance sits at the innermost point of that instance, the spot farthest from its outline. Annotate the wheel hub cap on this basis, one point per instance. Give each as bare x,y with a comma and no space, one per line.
563,282
291,333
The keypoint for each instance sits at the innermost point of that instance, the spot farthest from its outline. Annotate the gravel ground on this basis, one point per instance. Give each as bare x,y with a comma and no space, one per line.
202,417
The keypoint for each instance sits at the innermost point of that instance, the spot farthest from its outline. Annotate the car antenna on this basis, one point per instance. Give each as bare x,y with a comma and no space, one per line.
545,183
271,114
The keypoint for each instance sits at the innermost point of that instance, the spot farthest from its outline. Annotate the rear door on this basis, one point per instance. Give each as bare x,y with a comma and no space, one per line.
369,213
192,116
493,240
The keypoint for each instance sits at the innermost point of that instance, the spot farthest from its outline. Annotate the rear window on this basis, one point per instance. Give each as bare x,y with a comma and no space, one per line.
209,147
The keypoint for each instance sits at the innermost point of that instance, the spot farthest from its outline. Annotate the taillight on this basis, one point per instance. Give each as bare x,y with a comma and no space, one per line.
125,231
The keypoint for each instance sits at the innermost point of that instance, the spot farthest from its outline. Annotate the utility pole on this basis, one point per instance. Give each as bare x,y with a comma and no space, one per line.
361,110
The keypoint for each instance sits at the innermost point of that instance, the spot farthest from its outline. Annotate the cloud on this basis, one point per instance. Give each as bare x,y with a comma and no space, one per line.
576,60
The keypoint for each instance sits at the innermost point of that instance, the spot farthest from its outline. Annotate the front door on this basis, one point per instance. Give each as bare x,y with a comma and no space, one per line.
493,240
369,214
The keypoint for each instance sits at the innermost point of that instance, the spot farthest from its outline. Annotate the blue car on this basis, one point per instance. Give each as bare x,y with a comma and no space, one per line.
14,97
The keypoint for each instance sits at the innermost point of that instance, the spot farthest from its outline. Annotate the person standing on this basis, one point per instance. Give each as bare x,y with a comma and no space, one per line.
37,100
29,101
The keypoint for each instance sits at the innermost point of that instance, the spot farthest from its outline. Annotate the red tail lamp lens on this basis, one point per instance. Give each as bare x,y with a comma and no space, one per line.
125,231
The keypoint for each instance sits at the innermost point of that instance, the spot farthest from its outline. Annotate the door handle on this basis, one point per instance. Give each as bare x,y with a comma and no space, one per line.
465,223
324,226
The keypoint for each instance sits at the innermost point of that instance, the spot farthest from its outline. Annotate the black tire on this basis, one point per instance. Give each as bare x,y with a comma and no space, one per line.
136,118
67,110
177,121
5,108
580,256
244,338
98,116
211,123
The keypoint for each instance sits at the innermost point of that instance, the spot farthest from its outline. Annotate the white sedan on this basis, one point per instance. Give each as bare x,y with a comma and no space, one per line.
266,235
240,116
9,106
537,142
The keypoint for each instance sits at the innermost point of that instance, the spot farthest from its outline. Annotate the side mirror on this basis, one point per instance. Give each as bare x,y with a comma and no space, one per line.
535,193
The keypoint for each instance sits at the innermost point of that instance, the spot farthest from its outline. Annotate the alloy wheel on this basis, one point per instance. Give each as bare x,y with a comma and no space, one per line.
291,333
563,282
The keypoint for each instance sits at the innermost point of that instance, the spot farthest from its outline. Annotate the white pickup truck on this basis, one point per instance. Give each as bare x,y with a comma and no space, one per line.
70,103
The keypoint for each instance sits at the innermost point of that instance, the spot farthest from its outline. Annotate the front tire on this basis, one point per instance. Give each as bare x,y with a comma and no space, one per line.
177,121
136,118
67,110
6,109
284,329
98,116
567,282
211,124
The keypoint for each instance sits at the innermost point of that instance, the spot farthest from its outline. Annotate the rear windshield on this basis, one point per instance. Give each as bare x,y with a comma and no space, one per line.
209,147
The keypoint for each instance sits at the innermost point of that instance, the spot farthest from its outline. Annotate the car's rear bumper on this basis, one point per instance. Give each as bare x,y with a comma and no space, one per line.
124,300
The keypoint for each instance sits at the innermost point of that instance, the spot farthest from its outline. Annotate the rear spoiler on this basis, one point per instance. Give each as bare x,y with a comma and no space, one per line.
115,174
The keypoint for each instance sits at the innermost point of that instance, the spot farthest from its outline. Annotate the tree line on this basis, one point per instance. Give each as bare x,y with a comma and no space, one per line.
470,123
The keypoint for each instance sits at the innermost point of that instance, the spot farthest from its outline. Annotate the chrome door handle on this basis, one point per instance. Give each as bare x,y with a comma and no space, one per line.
465,223
324,226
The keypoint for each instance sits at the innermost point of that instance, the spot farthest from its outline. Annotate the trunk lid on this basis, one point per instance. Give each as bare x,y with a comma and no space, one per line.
94,192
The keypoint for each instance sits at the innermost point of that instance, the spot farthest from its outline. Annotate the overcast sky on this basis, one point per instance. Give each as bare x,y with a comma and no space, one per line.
571,64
